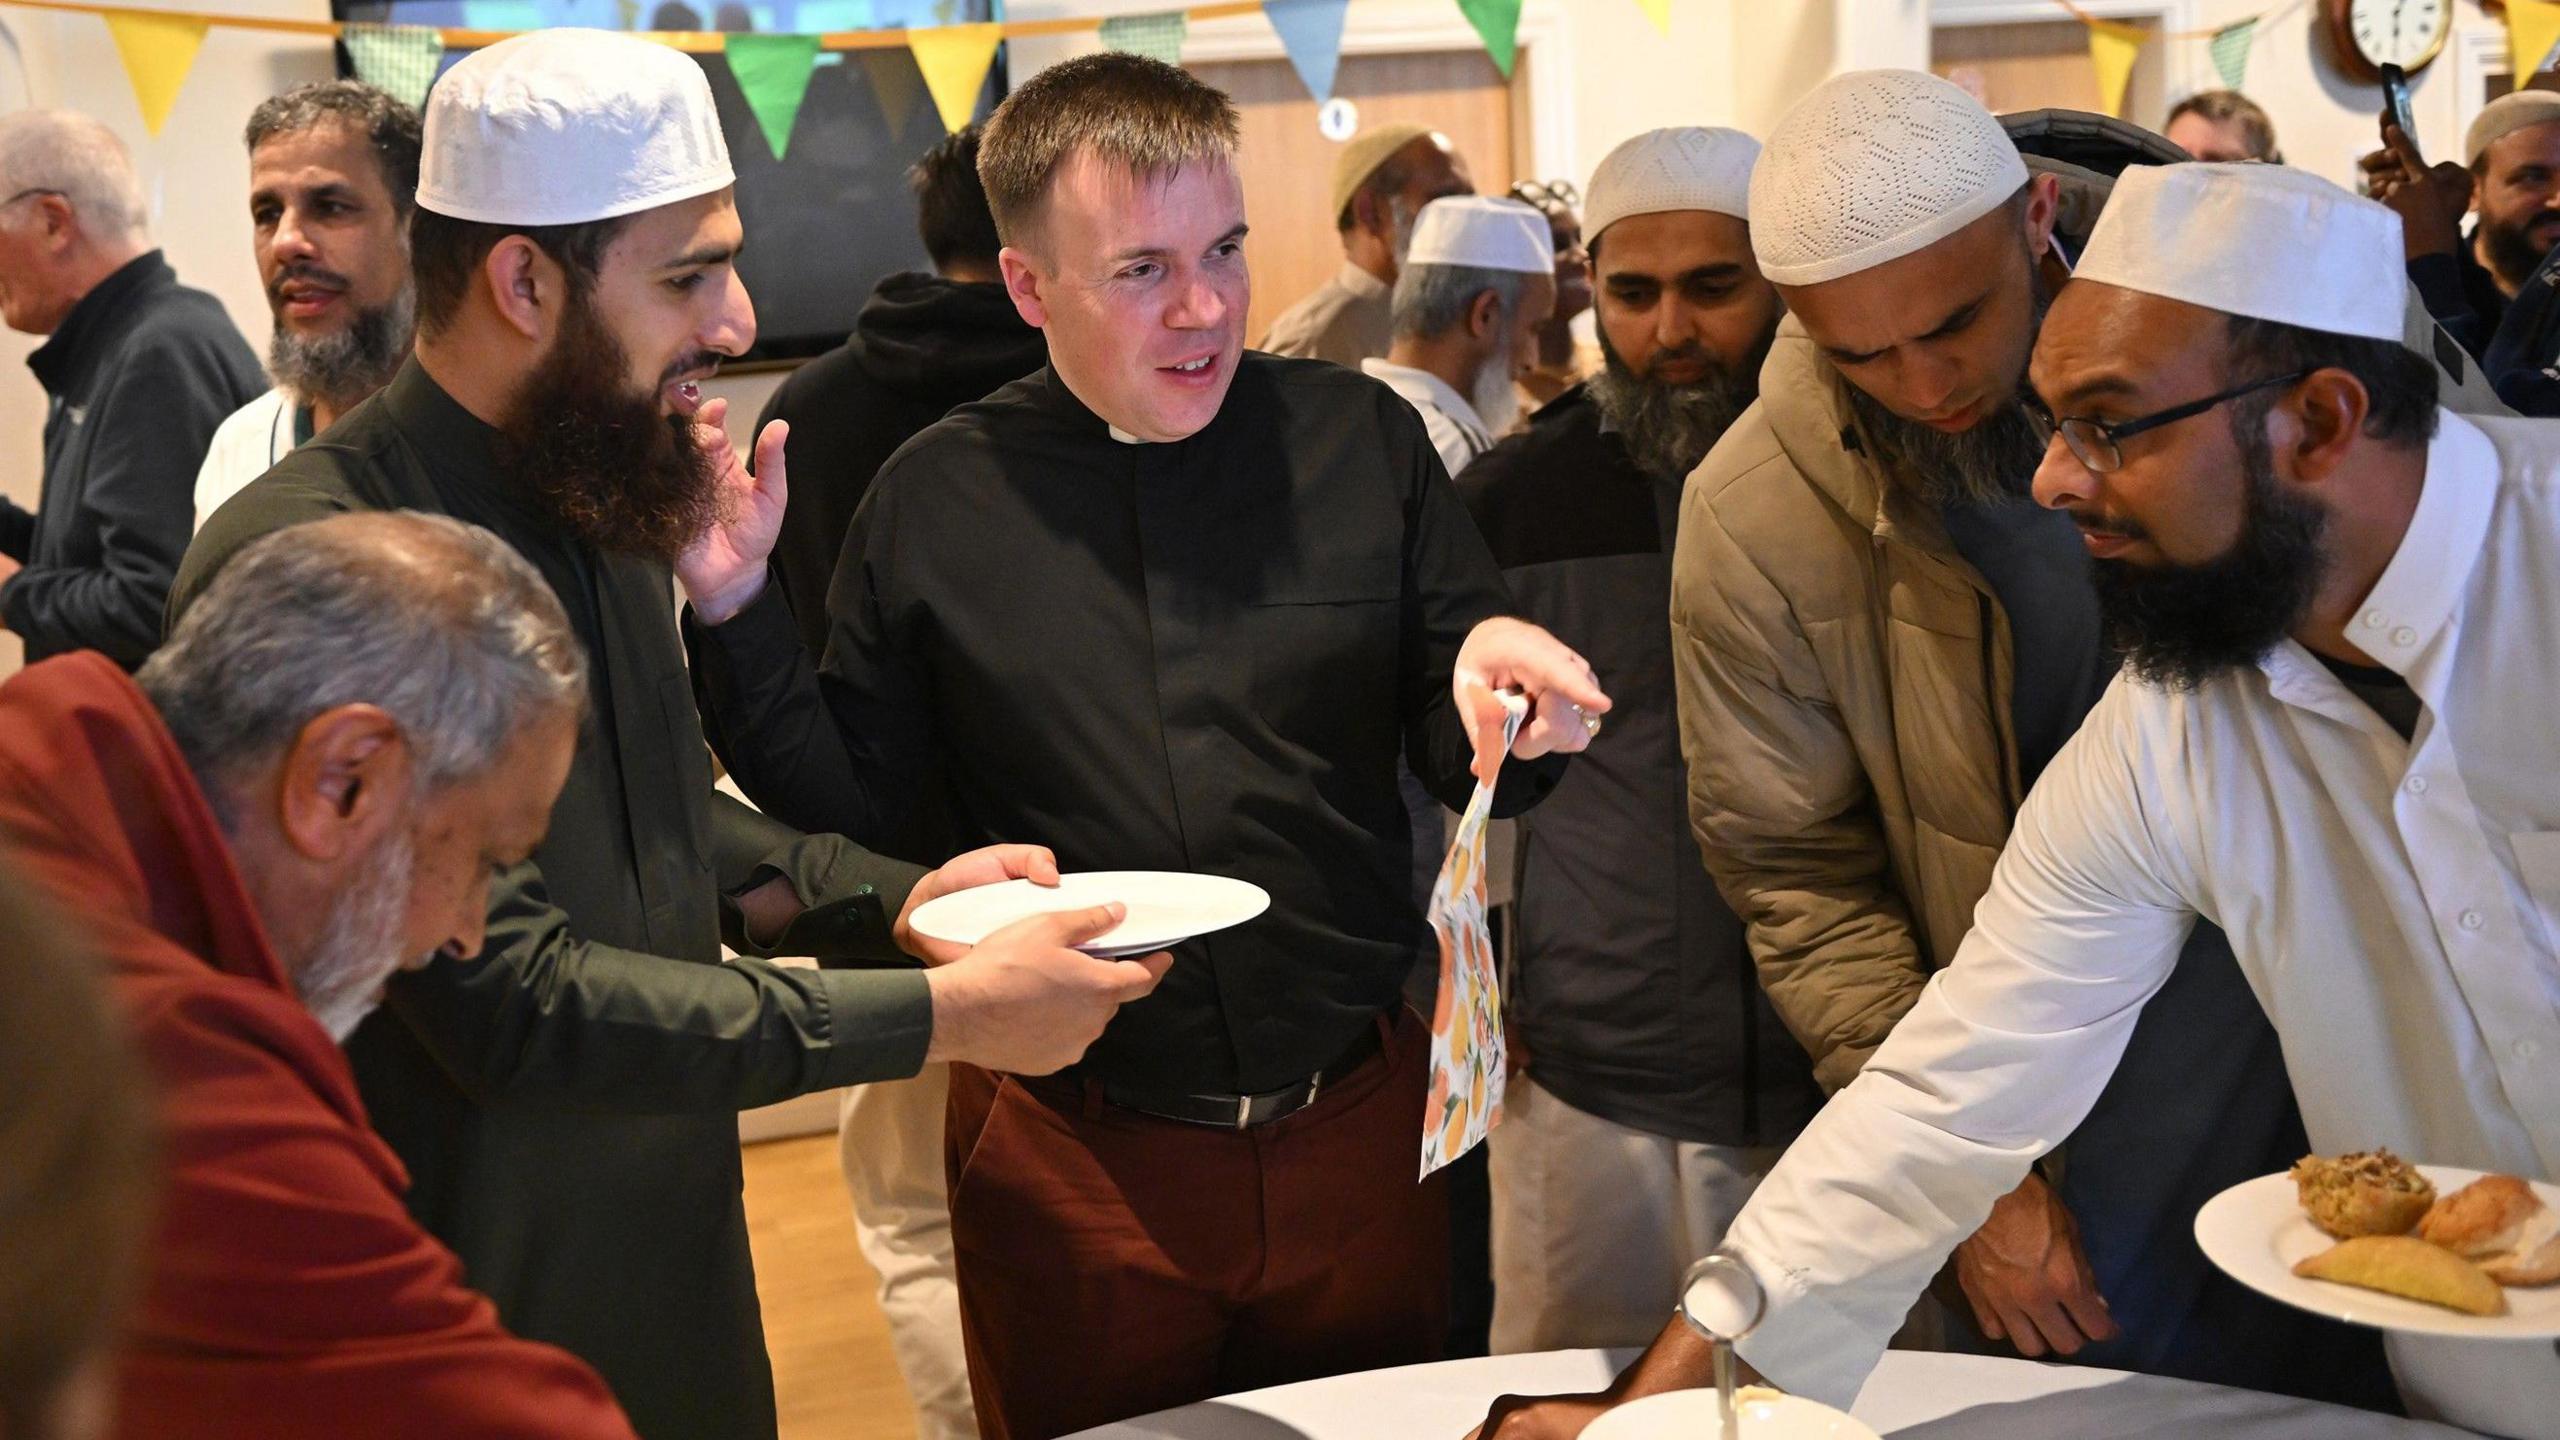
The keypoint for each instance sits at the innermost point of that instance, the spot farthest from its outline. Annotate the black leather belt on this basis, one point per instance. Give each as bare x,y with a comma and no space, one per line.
1243,1112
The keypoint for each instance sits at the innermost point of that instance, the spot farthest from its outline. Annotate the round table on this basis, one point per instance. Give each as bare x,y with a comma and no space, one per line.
1910,1396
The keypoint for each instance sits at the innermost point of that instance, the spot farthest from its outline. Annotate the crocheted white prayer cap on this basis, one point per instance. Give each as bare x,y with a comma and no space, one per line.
560,127
2266,241
1686,167
2506,115
1483,232
1871,166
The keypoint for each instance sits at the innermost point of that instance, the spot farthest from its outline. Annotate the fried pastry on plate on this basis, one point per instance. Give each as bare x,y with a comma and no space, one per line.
2365,1193
2406,1266
2499,1224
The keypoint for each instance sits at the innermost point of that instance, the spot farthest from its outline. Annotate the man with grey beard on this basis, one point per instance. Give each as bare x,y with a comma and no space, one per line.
1880,640
1381,181
333,176
1658,1085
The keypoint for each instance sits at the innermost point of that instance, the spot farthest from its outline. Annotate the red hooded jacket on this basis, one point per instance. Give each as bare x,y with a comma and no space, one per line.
290,1293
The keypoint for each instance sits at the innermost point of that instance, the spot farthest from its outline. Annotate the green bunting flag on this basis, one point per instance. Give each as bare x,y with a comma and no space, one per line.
399,59
2230,46
1498,23
1158,37
773,71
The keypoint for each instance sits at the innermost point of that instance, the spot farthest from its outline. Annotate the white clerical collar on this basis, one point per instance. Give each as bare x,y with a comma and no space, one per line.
1123,436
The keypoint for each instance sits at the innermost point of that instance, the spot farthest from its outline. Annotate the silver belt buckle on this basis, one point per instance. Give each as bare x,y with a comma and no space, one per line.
1244,1112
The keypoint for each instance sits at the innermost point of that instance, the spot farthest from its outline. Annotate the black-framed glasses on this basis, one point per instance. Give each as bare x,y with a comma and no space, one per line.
2096,442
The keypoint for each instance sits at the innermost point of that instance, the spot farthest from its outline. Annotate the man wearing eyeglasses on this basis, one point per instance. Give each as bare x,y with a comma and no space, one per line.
139,370
2332,738
1880,640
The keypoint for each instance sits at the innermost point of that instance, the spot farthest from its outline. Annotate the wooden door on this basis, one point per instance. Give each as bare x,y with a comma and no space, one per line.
2035,65
1288,163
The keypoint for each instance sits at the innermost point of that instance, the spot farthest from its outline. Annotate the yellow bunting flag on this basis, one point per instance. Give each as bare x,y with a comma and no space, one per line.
954,61
2533,27
2112,49
158,51
1659,12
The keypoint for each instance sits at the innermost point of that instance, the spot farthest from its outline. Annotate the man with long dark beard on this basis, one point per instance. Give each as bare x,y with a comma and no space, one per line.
2333,738
567,1106
1879,641
333,175
1658,1086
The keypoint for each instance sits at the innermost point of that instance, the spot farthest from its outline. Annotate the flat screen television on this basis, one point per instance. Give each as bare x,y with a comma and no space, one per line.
832,217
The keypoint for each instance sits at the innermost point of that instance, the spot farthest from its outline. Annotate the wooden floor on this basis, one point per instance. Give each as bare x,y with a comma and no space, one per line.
833,1374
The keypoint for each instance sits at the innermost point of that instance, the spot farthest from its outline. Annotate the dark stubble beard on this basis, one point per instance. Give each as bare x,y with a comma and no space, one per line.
344,366
1666,428
2181,625
600,459
1993,462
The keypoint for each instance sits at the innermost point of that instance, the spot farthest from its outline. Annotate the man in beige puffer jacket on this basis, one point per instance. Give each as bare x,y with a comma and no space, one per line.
1879,639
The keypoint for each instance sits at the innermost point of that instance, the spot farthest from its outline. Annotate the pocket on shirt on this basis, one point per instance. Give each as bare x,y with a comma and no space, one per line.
2538,864
1323,642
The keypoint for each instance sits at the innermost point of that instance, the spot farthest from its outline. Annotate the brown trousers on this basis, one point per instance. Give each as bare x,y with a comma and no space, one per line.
1112,1264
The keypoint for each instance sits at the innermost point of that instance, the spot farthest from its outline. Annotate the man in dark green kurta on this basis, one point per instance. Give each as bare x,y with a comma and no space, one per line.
567,1104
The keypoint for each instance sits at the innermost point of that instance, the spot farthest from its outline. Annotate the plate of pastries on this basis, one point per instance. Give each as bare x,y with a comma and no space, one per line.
2373,1240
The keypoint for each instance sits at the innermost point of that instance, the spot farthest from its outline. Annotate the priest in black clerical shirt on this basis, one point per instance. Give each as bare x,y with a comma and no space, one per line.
1162,605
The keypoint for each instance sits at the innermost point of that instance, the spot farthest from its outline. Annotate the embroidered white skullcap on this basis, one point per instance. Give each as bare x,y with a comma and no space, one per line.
1871,166
1483,232
1685,167
2266,241
560,127
2506,115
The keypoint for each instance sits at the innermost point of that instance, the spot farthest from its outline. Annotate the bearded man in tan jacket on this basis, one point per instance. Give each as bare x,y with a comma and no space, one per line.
1879,640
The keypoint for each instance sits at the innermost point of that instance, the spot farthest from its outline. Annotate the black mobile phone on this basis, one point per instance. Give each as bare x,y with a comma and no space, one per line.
2395,102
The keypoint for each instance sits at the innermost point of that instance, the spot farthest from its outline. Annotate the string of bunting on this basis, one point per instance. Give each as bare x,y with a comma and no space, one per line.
949,63
2533,32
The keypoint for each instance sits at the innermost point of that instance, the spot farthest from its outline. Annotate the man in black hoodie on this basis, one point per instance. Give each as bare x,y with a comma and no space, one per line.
923,344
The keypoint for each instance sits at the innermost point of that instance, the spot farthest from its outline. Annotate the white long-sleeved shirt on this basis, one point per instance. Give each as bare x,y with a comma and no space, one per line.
1449,418
2396,906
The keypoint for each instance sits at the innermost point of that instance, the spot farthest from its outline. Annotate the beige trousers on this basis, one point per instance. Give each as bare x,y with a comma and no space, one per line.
890,1140
1594,1222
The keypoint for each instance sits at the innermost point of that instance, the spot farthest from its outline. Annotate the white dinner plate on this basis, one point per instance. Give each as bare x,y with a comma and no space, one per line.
1691,1415
1165,906
2256,1231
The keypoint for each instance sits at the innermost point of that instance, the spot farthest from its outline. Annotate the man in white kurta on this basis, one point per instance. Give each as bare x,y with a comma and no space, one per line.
2394,901
1477,283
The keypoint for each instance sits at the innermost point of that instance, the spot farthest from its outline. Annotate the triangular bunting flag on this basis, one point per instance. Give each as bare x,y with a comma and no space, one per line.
1497,23
158,51
895,84
2113,49
1311,32
2533,27
1158,37
399,59
773,72
2230,47
1659,12
953,60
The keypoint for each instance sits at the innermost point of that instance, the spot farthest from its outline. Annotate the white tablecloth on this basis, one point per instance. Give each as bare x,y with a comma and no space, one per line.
1910,1397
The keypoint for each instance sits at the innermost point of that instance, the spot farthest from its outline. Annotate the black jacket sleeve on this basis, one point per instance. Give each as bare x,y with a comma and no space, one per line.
149,433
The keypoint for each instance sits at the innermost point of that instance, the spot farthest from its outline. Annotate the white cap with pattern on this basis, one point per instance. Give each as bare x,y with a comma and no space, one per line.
1871,166
1482,232
561,127
2505,116
1685,167
2204,234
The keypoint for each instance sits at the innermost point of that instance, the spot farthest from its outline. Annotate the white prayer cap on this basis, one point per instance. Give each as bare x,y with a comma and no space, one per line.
1871,166
2506,115
560,127
2266,241
1483,232
1685,167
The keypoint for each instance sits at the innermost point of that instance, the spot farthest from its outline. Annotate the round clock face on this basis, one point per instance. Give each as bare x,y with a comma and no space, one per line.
2406,33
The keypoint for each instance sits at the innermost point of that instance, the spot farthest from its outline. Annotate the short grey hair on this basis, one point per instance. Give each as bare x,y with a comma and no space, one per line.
439,623
79,159
1430,300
